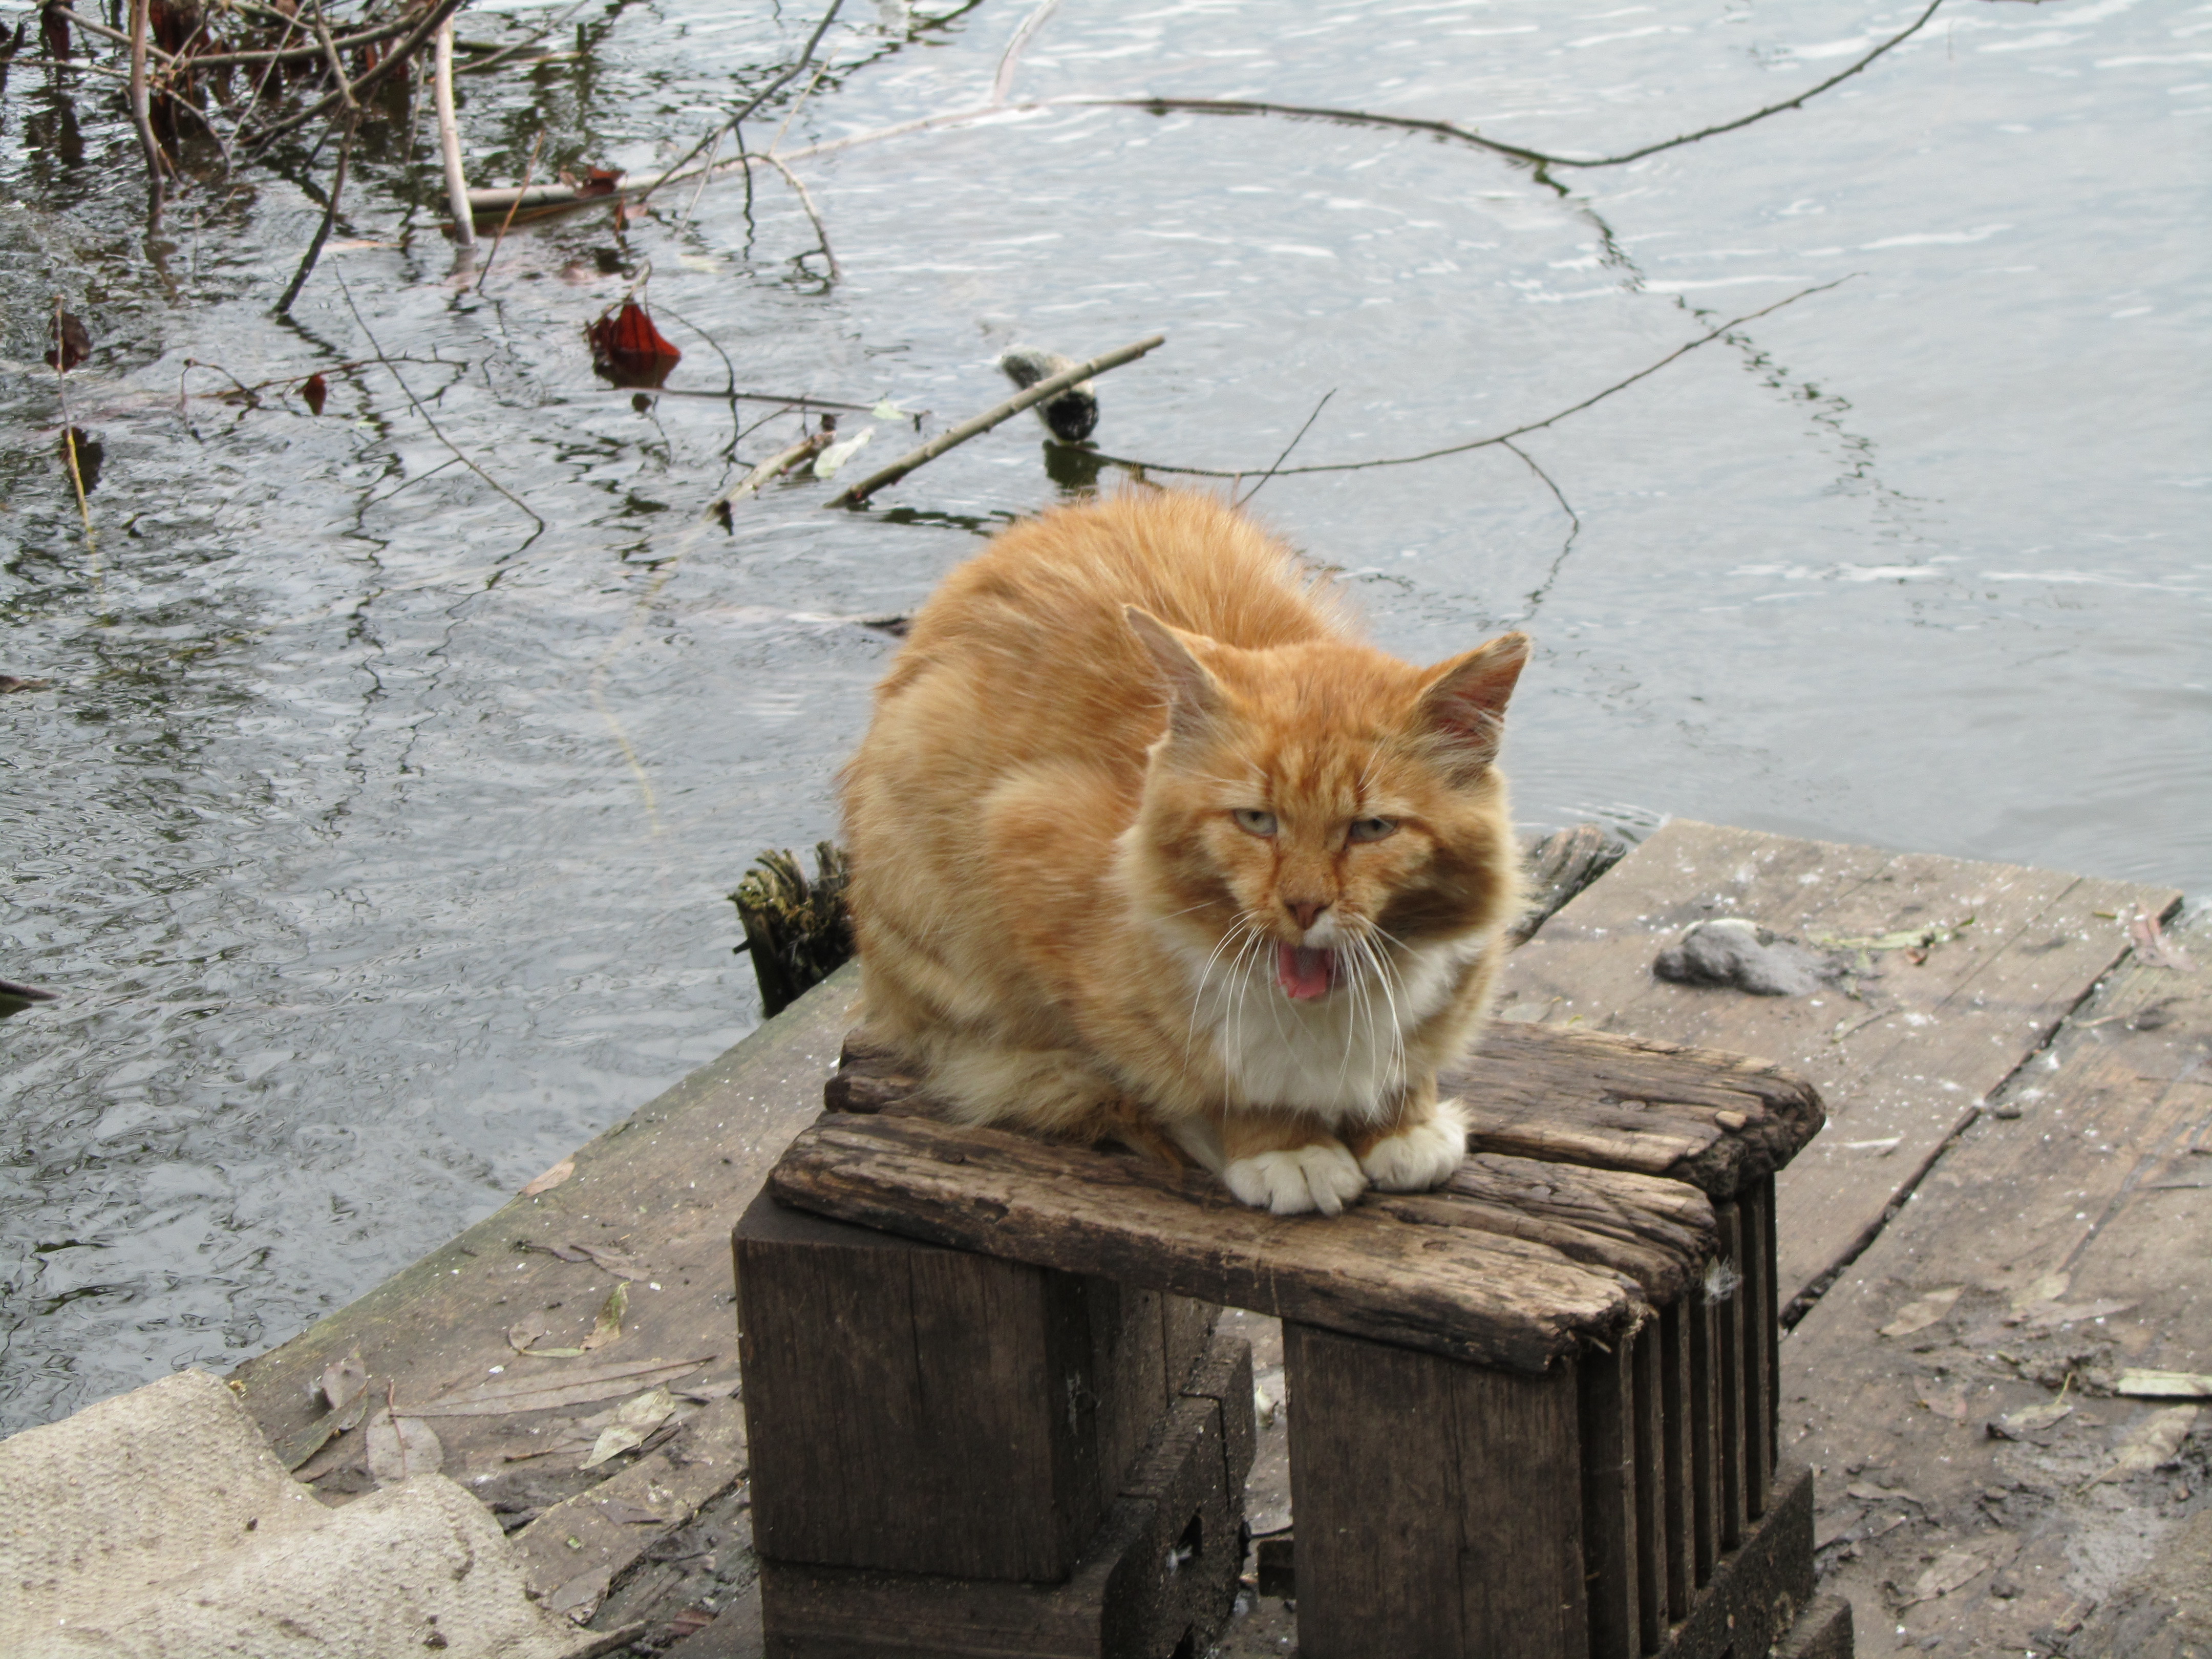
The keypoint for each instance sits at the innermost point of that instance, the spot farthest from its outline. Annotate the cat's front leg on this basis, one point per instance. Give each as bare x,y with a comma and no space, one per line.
1286,1162
1416,1149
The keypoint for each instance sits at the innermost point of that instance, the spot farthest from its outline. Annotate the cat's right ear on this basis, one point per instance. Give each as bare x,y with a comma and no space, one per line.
1195,697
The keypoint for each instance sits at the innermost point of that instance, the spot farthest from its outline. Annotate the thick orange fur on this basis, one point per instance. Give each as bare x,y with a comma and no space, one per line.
1131,760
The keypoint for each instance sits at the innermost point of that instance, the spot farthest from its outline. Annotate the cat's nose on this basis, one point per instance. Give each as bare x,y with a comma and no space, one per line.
1304,910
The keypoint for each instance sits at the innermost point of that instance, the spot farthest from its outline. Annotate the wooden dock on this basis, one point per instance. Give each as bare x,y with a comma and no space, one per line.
2020,1115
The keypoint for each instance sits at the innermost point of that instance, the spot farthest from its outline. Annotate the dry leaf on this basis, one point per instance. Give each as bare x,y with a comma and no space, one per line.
1949,1402
73,344
1952,1568
2048,1315
627,349
552,1178
607,1328
571,1388
401,1446
2156,1440
1919,1316
2143,933
342,1381
2049,1288
2165,1385
2029,1419
313,391
635,1420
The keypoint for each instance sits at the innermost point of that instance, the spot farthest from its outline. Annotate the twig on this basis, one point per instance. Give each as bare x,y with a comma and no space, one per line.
391,64
283,53
782,461
105,33
329,217
1497,437
337,67
435,431
1003,82
1289,447
69,440
449,137
529,167
1041,392
1538,158
141,116
805,57
500,55
791,114
807,201
1538,594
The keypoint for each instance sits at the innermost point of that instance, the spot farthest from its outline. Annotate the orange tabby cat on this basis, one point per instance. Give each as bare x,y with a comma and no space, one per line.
1146,841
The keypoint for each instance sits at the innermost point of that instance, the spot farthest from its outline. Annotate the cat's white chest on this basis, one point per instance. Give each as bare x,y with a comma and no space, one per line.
1341,1057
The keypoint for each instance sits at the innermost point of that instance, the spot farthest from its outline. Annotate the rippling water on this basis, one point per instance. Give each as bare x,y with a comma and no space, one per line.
376,837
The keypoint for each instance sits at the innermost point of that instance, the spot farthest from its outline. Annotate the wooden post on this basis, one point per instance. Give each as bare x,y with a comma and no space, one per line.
1398,1462
1704,1331
1675,1398
1755,1219
1729,1375
995,1407
1651,1540
1608,1488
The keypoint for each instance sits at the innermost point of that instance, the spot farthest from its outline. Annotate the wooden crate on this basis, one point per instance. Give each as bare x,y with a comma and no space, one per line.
1535,1408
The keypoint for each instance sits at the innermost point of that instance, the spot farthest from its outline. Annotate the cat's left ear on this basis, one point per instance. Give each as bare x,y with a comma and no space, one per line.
1463,704
1195,697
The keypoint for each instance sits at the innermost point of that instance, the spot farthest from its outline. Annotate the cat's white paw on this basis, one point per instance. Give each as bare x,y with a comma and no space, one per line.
1324,1176
1414,1160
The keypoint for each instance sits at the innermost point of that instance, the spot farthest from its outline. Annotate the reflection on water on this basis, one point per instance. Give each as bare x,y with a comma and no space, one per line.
376,823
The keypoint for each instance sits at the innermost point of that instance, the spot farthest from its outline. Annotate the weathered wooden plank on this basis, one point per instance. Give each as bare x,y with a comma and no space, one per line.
926,1410
661,1189
1759,1587
1730,1326
1612,1559
2062,1236
577,1548
1474,1295
1900,1070
1397,1459
1716,1120
1652,1603
1679,1515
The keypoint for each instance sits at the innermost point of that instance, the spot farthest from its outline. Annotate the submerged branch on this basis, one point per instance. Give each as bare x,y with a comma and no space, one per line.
1495,438
1043,392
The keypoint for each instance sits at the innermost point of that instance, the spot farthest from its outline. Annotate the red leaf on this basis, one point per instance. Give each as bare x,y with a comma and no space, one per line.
598,181
313,390
629,349
74,346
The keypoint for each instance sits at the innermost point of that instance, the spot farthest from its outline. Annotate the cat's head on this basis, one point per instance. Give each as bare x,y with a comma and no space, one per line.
1324,801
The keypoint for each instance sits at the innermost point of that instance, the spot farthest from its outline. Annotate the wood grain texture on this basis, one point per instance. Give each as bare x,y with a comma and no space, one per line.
1459,1290
1404,1547
1901,1070
1611,1556
2098,1194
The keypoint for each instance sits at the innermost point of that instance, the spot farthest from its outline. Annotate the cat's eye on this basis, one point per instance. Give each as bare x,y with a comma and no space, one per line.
1371,829
1253,822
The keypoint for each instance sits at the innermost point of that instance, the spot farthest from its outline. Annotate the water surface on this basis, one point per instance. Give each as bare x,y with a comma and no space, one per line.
376,836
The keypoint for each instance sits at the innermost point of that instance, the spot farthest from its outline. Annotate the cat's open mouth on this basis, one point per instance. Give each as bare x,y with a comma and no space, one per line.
1303,974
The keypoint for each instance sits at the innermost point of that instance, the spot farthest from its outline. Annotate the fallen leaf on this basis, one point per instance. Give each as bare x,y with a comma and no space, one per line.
526,1330
2165,1385
636,1419
294,1450
2143,931
342,1381
2156,1440
690,1619
627,349
400,1448
2029,1419
630,1515
1949,1402
552,1178
313,391
827,463
73,346
17,683
1919,1316
571,1388
2047,1316
607,1328
2049,1288
579,1598
1952,1569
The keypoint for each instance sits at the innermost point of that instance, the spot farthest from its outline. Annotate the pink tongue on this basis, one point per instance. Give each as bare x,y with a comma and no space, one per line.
1303,974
